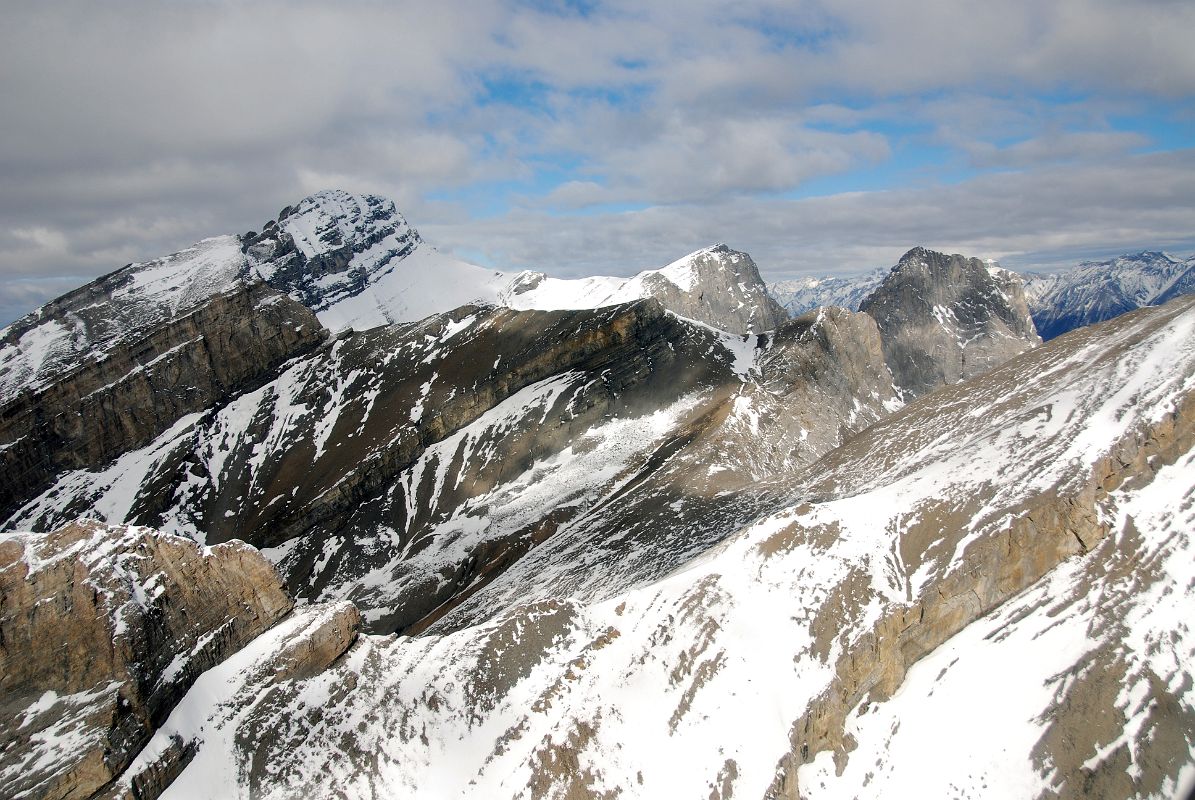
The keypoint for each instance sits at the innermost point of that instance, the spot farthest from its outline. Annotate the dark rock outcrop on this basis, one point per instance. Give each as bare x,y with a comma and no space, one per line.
944,319
125,398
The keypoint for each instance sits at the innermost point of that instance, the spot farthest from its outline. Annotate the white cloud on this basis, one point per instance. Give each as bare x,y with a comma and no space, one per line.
132,128
1026,219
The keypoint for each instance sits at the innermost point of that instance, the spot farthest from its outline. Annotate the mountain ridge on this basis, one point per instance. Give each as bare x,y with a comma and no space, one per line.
610,549
1094,291
1077,295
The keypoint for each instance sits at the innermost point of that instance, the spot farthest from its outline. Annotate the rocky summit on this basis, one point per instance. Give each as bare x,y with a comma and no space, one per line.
318,511
948,318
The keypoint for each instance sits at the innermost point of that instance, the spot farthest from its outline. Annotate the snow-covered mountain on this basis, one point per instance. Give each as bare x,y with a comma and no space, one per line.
356,262
1090,292
1095,291
842,291
572,539
1001,570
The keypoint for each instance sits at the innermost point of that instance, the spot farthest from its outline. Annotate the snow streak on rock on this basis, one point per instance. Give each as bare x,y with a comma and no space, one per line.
746,662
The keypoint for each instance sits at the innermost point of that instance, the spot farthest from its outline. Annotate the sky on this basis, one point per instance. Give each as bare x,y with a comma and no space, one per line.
590,137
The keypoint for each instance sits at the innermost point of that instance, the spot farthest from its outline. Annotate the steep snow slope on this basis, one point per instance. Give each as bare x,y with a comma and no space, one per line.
1111,630
1095,291
729,673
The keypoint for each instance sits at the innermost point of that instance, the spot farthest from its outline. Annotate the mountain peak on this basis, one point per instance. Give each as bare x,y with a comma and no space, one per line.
945,318
719,285
333,219
331,246
1145,259
918,253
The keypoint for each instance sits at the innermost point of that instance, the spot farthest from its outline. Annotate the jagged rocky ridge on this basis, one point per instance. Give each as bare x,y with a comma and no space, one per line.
944,319
144,380
631,553
1090,292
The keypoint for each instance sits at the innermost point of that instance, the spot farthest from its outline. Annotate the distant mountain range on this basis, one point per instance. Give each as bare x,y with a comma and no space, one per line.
1095,291
1090,292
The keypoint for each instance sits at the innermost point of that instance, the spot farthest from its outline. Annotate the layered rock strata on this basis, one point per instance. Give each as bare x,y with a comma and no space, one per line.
139,388
102,631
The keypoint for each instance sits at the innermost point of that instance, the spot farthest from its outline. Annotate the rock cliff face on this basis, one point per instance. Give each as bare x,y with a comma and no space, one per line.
814,383
404,431
948,318
102,631
112,311
330,247
767,667
140,387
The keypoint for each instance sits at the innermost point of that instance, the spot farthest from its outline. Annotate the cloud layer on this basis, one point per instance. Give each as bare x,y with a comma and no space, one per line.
605,136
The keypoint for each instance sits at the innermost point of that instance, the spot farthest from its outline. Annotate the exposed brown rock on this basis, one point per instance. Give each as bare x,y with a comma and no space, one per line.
102,630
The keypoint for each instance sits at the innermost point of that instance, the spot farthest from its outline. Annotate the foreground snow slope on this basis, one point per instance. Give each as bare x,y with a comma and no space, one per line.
733,671
1108,633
